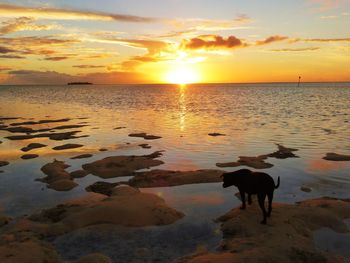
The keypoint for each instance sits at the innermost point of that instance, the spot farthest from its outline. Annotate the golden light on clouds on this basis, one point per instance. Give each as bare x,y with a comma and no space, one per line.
56,43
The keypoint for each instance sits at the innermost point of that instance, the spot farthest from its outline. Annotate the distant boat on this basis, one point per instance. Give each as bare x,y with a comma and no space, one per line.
79,83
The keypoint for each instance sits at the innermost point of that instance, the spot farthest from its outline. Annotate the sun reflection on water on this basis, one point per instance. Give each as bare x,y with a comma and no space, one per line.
182,104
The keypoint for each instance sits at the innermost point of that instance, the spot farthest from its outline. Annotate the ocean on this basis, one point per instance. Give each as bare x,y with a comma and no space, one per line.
313,118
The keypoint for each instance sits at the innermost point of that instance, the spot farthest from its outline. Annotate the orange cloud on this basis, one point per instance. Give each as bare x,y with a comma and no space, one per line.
324,5
56,58
5,50
198,24
212,42
3,68
271,39
11,56
296,49
7,10
21,24
88,66
20,46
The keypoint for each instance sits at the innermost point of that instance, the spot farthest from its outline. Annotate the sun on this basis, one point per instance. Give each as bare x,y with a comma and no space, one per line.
182,76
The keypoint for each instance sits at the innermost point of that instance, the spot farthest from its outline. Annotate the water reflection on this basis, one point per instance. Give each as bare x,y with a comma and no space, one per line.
182,104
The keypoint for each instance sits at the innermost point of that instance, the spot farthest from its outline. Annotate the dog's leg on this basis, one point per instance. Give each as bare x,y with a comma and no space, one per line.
242,193
270,197
249,199
261,199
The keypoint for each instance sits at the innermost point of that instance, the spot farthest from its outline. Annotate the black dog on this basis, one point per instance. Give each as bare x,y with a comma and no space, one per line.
250,182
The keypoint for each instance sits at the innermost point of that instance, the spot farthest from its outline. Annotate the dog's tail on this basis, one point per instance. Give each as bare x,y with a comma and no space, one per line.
278,183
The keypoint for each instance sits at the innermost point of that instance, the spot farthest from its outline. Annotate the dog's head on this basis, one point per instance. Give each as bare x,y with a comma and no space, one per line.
234,178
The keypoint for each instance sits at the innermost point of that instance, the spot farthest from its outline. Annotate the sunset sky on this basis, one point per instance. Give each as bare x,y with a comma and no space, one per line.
177,41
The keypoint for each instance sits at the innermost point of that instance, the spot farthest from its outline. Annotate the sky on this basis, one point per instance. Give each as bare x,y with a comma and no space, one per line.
174,41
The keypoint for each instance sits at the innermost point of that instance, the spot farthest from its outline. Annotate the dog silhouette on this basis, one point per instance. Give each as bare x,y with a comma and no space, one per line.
251,182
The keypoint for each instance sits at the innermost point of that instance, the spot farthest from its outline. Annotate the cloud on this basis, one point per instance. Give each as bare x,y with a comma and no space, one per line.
21,24
155,51
5,50
327,40
324,5
8,10
56,58
271,39
296,49
212,42
11,56
53,77
36,41
3,68
19,47
198,24
295,40
84,66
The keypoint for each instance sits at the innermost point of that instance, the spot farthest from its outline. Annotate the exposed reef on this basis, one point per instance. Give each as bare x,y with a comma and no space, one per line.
116,166
145,136
161,178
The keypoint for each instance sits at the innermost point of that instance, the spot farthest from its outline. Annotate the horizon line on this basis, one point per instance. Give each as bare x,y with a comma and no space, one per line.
198,83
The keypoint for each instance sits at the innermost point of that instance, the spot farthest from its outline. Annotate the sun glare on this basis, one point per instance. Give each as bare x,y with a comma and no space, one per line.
182,76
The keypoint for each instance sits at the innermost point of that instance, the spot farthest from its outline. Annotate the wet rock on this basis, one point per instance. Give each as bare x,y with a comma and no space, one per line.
32,146
254,162
215,134
145,136
4,163
51,136
104,188
39,122
162,178
57,177
73,126
145,146
93,258
116,166
29,156
126,206
79,174
26,249
287,237
305,189
67,146
4,220
17,129
9,118
283,152
82,156
259,161
336,157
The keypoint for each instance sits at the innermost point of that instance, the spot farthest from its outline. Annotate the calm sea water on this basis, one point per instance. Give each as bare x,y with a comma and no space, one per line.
314,118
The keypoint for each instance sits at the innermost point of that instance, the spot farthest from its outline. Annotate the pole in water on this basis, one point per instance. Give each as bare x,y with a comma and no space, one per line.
299,81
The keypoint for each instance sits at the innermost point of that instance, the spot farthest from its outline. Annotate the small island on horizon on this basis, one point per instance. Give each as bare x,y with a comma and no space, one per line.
79,83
